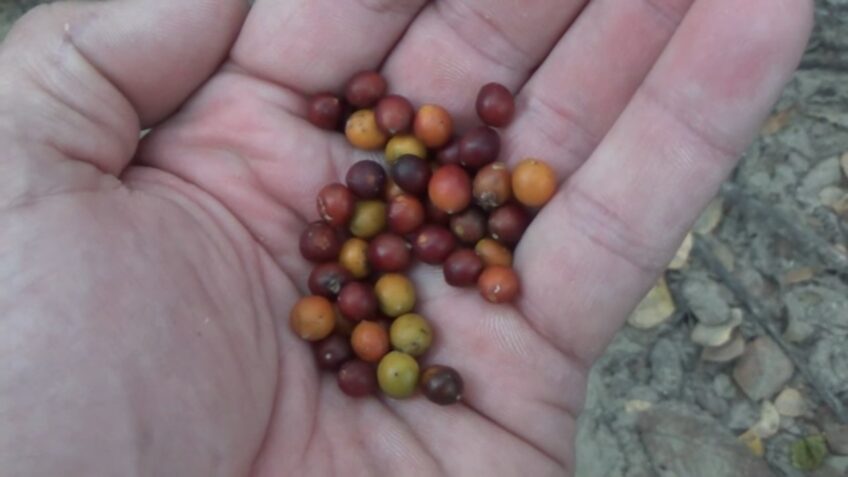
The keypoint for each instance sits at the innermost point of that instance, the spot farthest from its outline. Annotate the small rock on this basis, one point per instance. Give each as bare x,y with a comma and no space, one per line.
712,336
843,160
837,437
769,422
798,275
723,386
726,352
790,403
636,406
681,258
835,198
666,368
655,308
763,369
710,217
742,415
825,173
725,256
703,296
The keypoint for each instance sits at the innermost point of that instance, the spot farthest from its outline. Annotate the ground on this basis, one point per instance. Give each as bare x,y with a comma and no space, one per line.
765,279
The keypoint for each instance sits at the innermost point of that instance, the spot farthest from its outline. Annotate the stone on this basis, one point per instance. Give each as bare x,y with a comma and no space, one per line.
666,368
790,403
769,422
763,369
829,362
704,298
687,442
826,173
726,352
718,335
655,308
837,437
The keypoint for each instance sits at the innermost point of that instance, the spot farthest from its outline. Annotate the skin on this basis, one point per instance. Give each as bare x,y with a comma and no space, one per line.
146,285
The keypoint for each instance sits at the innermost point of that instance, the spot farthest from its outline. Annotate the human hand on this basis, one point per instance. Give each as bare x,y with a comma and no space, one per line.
146,286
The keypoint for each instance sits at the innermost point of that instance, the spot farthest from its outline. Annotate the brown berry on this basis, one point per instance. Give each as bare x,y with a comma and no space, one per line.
450,189
312,318
479,146
389,253
405,214
508,222
533,182
493,253
498,284
433,244
366,179
357,301
492,186
336,204
433,125
328,279
332,351
469,226
357,378
370,341
412,174
462,268
442,385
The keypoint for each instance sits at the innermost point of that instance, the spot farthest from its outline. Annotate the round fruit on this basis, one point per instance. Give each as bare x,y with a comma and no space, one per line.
462,268
434,214
433,125
533,182
369,218
406,214
492,186
394,114
357,301
469,226
336,204
491,252
332,351
508,222
441,384
433,244
344,326
411,334
402,145
328,279
362,131
412,174
450,189
369,341
354,257
397,375
365,88
479,146
395,293
324,111
389,253
320,243
498,284
366,179
495,105
449,154
357,378
312,318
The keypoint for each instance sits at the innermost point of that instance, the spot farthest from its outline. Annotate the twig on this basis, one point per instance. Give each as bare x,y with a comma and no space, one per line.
763,320
789,227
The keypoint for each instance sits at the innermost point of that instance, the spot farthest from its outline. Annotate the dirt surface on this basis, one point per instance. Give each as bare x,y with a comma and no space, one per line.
750,339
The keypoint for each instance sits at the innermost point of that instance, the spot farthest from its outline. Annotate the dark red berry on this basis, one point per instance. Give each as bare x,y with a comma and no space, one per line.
479,146
412,174
332,351
366,179
357,378
320,243
462,268
405,214
469,226
328,279
365,88
495,105
336,204
508,222
449,154
433,244
441,384
394,114
357,301
389,253
325,110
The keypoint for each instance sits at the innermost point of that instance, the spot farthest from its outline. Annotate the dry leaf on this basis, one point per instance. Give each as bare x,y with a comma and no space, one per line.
798,275
655,308
727,352
710,217
718,335
777,121
636,405
753,443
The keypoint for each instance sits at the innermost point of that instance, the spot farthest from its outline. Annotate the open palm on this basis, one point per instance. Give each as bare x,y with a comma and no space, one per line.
147,285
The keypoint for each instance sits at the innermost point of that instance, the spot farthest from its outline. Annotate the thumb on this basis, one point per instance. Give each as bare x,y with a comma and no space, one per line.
79,80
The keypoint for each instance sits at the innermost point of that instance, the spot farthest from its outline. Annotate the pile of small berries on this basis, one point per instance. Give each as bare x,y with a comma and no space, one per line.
439,199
